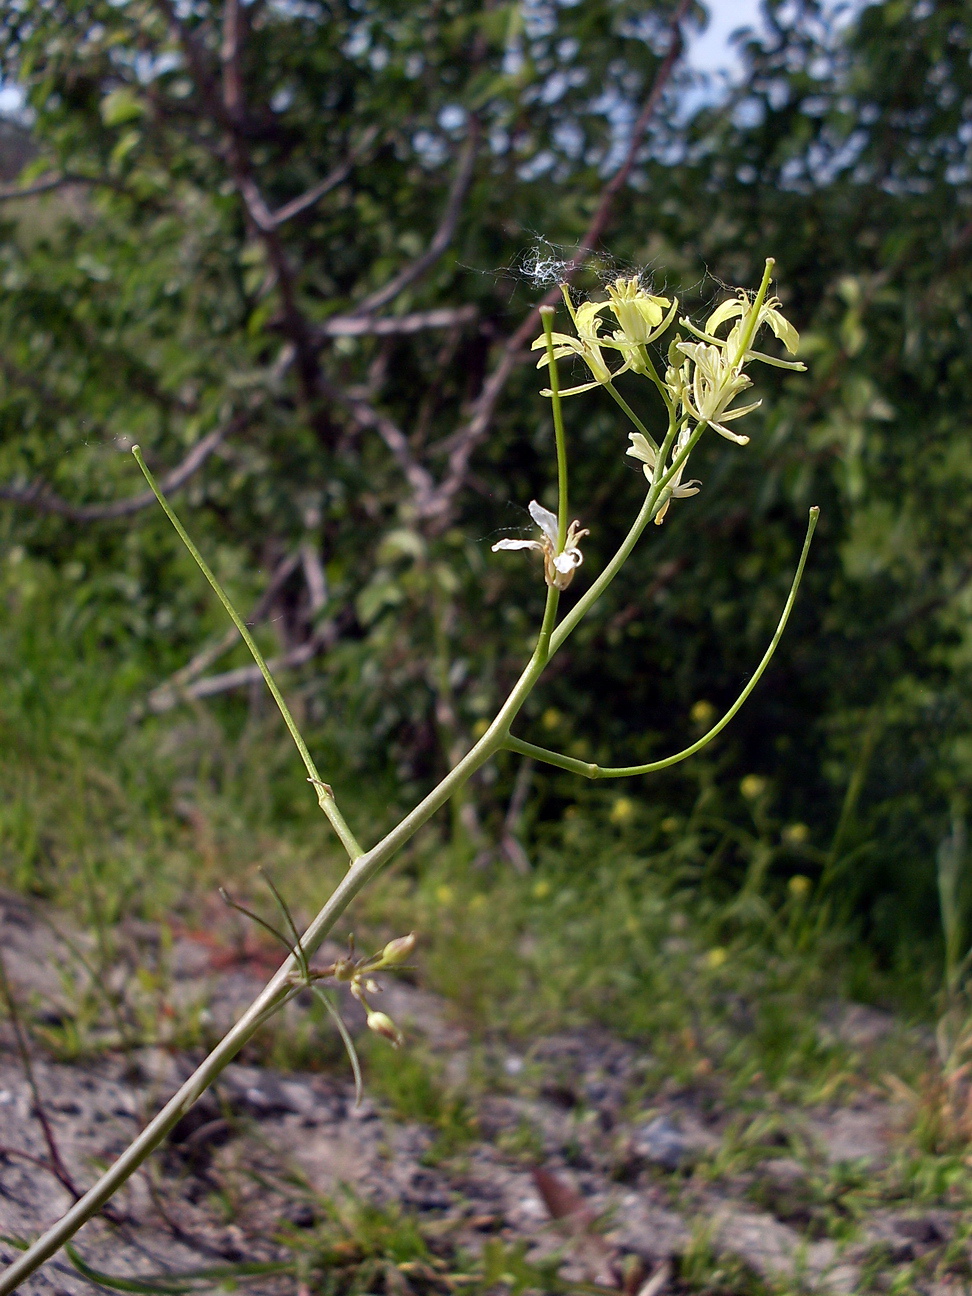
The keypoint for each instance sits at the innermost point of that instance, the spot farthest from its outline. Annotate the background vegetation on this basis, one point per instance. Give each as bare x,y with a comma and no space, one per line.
288,248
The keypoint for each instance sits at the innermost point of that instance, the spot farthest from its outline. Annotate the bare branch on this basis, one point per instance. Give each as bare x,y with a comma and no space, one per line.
205,81
444,317
366,416
443,235
46,183
41,498
166,695
230,58
465,440
315,577
323,638
340,173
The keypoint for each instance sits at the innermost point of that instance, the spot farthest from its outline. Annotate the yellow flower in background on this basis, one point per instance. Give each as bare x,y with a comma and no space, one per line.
799,886
622,812
752,786
716,957
702,713
795,834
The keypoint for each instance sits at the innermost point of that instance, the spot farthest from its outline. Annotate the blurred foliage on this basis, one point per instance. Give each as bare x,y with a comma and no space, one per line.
145,307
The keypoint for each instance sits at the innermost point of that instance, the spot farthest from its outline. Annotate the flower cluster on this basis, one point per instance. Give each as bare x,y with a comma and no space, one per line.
704,375
642,317
357,974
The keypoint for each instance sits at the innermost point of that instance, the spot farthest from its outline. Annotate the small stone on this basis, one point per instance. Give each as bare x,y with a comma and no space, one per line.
301,1215
662,1143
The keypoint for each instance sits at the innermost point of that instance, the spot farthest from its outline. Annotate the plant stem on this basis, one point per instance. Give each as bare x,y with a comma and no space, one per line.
547,314
362,870
325,796
590,770
631,415
646,513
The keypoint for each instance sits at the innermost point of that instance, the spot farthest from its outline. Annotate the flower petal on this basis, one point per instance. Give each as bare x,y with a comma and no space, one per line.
574,391
728,415
728,310
568,560
545,520
517,544
641,449
730,436
559,339
783,329
797,365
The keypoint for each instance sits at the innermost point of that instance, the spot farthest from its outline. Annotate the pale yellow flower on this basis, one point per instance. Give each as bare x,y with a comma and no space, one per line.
715,384
643,317
642,450
717,363
587,344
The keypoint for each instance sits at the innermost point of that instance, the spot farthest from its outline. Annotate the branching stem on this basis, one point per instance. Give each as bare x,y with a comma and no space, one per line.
593,771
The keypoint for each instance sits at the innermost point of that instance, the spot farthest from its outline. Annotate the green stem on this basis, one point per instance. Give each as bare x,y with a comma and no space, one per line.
646,513
632,415
592,771
547,314
753,322
325,796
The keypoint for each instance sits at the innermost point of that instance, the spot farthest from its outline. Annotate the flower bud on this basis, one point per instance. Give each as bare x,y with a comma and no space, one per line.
383,1025
398,950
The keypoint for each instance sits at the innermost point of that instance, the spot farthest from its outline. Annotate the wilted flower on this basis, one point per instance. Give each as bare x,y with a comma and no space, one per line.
642,450
558,566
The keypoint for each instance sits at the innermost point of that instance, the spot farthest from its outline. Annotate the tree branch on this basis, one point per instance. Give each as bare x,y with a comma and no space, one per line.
443,317
40,498
340,173
46,183
443,235
366,416
167,695
323,638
